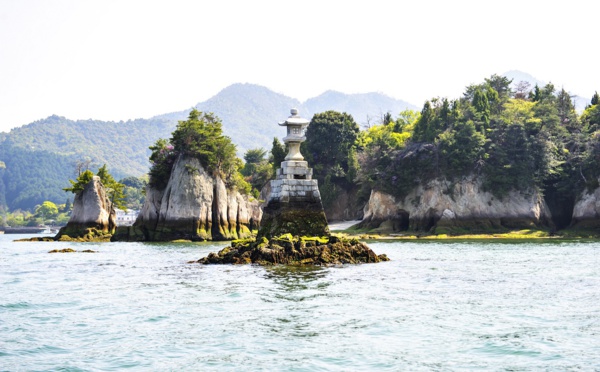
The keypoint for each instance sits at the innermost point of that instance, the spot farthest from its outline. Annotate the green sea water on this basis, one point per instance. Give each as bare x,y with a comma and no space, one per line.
441,306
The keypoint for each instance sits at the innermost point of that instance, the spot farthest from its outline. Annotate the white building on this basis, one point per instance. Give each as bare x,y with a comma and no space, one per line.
126,218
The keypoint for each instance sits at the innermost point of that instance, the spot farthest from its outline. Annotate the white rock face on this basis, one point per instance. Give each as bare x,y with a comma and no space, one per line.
196,206
442,203
586,212
91,209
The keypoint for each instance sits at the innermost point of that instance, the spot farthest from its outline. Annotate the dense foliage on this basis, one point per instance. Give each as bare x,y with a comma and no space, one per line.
32,177
48,213
200,136
114,189
134,192
257,169
514,140
41,157
330,149
278,154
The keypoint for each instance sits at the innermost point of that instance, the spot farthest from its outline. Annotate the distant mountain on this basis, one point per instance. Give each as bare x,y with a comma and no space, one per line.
517,76
40,157
250,113
365,108
123,145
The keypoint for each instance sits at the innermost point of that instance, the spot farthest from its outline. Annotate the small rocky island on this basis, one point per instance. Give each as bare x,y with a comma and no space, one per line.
93,217
294,229
192,194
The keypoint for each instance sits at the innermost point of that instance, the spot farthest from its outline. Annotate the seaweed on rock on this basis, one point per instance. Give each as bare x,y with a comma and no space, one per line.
297,251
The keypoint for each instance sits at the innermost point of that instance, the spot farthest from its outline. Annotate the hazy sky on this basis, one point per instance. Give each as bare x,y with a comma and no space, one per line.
125,59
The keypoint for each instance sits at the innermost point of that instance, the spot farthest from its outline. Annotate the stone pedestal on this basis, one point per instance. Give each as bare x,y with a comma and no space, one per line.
294,205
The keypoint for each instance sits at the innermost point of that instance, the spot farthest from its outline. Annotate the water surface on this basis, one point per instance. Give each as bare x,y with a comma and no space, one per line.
435,306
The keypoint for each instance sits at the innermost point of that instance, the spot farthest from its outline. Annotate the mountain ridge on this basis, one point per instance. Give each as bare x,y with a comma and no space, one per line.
249,113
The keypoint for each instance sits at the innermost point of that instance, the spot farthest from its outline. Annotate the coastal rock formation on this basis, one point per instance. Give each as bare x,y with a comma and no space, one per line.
93,216
346,206
288,250
294,229
194,206
586,213
442,206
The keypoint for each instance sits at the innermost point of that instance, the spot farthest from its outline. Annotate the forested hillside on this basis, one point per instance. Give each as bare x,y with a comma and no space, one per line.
510,136
42,156
123,145
512,140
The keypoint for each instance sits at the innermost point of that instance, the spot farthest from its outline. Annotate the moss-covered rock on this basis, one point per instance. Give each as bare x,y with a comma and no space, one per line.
71,250
83,235
93,217
194,206
297,251
295,218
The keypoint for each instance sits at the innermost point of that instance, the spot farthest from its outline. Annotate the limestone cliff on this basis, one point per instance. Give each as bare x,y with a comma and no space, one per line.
441,206
193,206
93,214
346,206
586,213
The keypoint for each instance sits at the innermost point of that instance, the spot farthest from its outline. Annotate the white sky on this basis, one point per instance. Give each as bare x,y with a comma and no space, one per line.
125,59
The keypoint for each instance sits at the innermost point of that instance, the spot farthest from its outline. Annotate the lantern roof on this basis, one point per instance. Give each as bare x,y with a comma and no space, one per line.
294,119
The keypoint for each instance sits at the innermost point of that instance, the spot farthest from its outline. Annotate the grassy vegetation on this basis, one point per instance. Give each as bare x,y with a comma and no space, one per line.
514,234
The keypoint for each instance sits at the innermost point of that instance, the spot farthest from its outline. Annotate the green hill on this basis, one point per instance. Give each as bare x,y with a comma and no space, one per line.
41,157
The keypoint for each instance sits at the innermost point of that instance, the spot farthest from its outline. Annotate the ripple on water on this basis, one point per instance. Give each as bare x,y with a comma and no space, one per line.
438,306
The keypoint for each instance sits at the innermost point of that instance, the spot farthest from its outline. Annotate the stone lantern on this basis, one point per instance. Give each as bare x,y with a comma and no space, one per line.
294,166
296,126
294,205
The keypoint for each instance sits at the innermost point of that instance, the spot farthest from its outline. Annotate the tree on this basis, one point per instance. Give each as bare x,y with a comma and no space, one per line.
47,210
201,136
522,90
329,139
329,148
566,111
162,159
253,158
134,192
114,189
257,169
83,164
406,120
500,84
387,118
78,185
278,154
135,182
591,118
595,99
425,130
482,108
461,148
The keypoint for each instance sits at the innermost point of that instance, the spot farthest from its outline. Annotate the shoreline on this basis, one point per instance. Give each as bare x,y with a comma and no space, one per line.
345,228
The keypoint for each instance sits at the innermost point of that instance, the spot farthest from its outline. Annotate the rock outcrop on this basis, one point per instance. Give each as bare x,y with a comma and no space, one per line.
288,250
586,212
93,216
441,206
194,206
346,206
